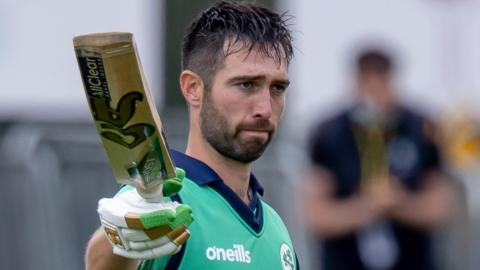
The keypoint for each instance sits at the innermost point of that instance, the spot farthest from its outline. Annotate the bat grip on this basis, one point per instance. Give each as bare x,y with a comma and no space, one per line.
153,194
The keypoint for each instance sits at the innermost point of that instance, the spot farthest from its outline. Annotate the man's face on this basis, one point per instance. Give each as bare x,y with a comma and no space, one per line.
242,110
376,89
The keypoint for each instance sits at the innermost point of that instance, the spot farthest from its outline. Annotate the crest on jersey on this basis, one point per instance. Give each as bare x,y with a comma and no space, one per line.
287,257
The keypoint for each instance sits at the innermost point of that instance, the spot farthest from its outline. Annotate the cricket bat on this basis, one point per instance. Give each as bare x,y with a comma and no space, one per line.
124,111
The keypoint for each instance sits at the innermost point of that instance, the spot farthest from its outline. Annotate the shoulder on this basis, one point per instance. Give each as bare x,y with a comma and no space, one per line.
330,128
190,190
267,208
417,123
274,227
412,116
272,215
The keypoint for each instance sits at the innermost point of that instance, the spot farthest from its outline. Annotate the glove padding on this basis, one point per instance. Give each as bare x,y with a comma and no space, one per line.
139,229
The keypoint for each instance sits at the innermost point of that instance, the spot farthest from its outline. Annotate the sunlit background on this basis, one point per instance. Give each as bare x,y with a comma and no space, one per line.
53,168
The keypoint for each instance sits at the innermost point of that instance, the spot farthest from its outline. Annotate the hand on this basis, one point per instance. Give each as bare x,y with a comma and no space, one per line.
383,194
139,229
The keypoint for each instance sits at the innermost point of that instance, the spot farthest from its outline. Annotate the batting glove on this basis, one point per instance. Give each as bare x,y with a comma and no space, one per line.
139,229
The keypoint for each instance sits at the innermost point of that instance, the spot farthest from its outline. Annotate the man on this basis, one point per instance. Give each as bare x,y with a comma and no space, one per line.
235,59
376,189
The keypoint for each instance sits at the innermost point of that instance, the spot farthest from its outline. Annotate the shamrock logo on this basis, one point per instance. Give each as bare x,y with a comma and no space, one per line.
286,256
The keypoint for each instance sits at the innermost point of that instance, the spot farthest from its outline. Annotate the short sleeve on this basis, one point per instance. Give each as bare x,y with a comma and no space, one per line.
431,158
318,146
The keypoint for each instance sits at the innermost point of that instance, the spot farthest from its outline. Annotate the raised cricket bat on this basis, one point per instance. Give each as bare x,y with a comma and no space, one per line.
124,111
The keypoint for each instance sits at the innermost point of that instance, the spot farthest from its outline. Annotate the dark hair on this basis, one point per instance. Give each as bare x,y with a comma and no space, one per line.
249,24
374,61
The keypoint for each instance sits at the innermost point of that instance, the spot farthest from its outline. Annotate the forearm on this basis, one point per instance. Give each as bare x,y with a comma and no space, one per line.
99,255
340,217
426,209
329,216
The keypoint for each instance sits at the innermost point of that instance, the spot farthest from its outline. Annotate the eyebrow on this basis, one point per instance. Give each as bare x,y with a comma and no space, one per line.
257,78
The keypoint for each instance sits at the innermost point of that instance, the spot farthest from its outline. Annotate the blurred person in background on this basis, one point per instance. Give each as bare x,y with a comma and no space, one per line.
376,190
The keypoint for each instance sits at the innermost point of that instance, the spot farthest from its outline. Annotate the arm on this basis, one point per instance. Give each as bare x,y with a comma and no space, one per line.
138,229
99,255
327,215
429,207
330,217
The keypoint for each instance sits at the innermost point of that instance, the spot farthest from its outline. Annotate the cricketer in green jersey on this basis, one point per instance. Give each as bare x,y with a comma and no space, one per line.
235,59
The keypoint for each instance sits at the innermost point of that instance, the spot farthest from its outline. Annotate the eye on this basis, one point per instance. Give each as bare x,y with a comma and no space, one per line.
245,85
279,89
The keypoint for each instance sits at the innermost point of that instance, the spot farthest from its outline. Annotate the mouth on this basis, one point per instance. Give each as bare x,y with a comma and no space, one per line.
256,130
258,133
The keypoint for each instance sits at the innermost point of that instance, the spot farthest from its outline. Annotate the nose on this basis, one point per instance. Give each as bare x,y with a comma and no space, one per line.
263,104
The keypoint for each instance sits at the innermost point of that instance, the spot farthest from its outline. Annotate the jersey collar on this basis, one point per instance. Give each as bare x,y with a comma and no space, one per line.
203,175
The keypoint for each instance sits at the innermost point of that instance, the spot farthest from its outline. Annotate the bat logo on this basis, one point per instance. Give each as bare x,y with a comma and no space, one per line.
116,119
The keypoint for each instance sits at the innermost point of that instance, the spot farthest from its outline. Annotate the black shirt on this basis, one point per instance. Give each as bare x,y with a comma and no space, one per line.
335,146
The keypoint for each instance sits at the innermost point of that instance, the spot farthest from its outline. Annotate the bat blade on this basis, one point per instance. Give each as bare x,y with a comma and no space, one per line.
123,109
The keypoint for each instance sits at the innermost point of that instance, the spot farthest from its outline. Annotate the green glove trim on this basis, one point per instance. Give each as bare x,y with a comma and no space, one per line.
180,173
157,218
184,216
171,186
168,217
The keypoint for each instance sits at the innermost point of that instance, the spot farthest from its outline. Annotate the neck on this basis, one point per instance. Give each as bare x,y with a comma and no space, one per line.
235,175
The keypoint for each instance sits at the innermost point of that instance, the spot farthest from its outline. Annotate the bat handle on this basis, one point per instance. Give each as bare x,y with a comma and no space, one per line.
153,194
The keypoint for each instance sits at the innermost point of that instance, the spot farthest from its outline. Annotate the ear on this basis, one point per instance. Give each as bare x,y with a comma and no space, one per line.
192,87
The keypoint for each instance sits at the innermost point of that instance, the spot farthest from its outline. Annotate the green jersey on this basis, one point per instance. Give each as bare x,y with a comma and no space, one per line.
226,233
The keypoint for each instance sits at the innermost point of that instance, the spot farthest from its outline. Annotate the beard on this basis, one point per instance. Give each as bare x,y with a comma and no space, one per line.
225,138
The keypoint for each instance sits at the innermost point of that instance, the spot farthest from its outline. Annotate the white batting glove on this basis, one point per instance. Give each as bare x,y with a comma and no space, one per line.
139,229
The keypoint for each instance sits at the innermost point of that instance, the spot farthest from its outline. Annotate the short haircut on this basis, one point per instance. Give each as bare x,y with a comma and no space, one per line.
250,25
374,61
